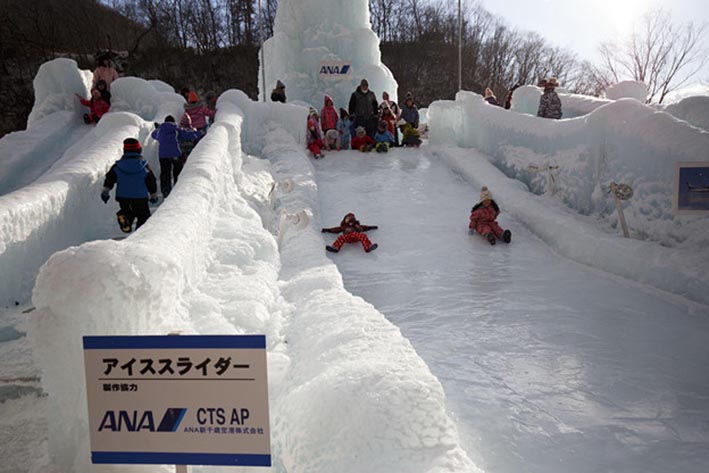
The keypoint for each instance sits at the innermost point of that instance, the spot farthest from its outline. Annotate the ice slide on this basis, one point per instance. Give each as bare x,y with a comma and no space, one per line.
547,366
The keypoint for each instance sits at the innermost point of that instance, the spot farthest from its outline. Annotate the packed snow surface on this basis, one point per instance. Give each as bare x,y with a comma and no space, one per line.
308,32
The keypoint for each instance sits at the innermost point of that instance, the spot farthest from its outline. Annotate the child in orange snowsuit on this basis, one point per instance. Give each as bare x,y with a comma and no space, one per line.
352,232
482,219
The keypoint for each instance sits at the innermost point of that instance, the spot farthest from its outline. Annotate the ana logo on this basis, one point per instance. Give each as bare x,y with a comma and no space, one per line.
335,70
135,421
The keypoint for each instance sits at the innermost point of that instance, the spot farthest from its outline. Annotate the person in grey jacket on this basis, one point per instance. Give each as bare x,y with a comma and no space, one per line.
550,103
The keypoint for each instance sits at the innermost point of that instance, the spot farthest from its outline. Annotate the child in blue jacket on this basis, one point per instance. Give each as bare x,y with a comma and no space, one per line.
136,184
383,137
169,136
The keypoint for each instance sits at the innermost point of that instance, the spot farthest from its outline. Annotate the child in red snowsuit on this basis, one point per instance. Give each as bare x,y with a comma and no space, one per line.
482,219
352,232
97,106
362,141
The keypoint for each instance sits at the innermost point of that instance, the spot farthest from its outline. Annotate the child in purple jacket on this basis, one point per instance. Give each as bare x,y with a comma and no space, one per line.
168,136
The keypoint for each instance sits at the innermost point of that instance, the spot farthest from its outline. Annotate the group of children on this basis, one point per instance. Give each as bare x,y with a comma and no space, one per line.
331,130
483,221
136,183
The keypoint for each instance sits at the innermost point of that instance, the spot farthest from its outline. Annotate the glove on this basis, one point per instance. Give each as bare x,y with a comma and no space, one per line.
324,230
156,125
153,198
105,195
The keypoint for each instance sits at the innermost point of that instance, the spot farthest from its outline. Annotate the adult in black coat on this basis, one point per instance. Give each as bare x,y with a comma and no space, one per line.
364,108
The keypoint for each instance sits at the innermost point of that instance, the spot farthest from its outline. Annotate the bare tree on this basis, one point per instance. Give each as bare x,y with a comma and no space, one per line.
659,53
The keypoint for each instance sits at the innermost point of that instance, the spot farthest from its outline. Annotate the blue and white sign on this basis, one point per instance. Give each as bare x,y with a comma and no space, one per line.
335,70
692,188
184,400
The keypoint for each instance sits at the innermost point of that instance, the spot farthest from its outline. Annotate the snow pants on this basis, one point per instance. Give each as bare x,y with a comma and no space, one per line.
353,237
170,168
316,147
483,228
133,209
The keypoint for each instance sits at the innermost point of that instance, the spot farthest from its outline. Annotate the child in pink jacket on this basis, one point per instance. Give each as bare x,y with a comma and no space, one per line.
483,219
196,113
328,116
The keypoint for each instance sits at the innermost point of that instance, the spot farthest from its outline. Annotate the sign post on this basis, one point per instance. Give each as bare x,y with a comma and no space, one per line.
187,400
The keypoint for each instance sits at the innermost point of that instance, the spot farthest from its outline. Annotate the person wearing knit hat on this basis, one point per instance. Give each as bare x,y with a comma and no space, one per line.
136,186
279,93
362,141
483,219
169,136
363,108
196,113
409,112
549,102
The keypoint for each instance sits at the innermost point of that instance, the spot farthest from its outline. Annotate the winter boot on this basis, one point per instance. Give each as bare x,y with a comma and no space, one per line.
491,238
372,248
507,236
87,118
332,249
126,227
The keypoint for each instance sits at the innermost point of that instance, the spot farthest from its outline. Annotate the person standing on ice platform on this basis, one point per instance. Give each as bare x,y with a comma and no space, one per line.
136,183
483,219
550,103
279,93
352,232
363,108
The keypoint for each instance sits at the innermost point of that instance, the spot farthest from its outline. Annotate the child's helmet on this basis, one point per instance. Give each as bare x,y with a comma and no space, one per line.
360,131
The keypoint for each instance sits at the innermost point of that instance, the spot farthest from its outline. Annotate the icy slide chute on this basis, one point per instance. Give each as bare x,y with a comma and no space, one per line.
205,263
61,208
308,32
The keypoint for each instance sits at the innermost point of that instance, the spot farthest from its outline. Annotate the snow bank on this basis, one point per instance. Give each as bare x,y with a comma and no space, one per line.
677,271
204,263
151,100
627,89
348,362
692,90
307,32
525,99
55,84
694,110
292,117
624,141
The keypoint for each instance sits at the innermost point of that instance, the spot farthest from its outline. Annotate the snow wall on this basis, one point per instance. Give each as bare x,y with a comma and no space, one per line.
61,208
525,99
623,141
206,262
307,32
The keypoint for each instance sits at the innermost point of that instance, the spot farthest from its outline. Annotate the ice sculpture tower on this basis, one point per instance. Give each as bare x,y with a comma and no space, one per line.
324,47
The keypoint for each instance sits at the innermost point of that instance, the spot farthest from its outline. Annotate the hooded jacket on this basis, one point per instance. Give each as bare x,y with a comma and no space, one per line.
328,115
134,178
196,115
169,135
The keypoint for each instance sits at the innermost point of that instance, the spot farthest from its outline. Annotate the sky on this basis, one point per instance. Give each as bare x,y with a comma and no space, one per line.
581,25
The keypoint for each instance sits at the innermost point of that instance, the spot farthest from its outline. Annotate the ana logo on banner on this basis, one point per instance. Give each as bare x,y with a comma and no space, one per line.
335,70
